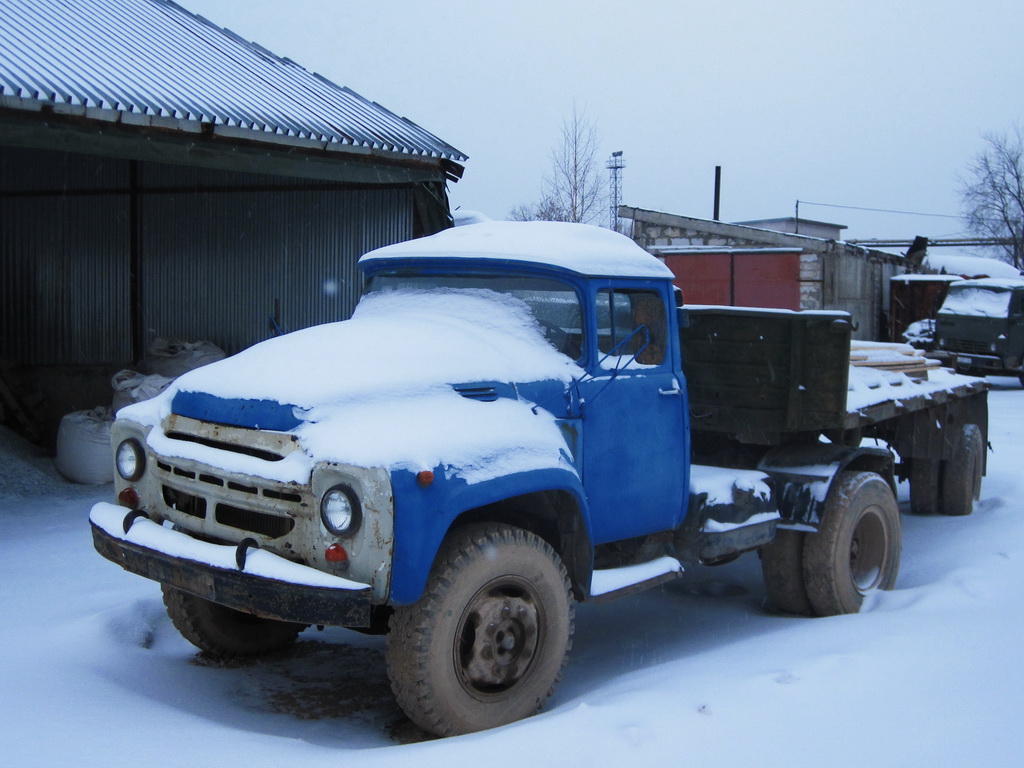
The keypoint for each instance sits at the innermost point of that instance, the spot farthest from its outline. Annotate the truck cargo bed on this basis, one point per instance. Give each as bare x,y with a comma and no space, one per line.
764,374
765,371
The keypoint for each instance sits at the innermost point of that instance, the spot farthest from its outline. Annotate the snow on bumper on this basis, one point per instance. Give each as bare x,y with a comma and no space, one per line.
268,585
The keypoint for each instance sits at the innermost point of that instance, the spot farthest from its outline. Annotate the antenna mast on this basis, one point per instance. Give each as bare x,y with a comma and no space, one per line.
615,165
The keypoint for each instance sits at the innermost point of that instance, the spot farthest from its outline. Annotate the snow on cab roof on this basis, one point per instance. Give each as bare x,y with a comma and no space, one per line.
580,248
926,278
970,266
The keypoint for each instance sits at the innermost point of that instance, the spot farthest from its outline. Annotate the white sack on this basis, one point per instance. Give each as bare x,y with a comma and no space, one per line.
83,447
131,387
172,358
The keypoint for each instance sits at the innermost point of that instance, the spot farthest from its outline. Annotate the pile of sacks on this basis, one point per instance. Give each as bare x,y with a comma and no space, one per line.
83,438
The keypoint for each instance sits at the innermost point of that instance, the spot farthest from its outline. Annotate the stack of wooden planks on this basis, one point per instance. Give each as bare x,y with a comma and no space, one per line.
892,356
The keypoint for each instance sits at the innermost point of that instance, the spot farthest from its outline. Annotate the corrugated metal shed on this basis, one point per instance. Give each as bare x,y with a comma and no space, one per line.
217,255
161,177
152,63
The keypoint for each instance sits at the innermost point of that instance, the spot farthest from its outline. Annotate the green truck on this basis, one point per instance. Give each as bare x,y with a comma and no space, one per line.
980,326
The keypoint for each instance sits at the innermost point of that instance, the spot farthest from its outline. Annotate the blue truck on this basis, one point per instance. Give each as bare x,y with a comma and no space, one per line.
517,418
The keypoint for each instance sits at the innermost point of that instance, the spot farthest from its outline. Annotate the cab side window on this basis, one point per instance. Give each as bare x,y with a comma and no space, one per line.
632,322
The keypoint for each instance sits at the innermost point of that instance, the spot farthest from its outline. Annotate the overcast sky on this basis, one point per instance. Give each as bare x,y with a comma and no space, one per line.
875,104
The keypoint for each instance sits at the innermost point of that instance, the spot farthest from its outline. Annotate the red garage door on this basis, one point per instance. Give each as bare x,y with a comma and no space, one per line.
741,279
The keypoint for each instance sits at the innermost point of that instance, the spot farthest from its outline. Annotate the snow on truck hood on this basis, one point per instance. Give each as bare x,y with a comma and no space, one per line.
376,390
399,342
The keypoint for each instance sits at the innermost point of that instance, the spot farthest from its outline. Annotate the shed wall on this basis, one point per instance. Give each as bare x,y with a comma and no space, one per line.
64,251
216,253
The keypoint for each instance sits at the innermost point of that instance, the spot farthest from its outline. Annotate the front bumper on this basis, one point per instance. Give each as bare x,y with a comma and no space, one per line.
267,585
971,361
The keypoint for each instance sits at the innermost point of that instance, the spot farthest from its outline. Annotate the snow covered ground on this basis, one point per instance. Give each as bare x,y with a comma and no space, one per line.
692,674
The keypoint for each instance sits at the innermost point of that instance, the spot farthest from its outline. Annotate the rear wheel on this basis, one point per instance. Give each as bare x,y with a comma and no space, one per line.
961,474
856,550
782,564
486,642
223,631
924,486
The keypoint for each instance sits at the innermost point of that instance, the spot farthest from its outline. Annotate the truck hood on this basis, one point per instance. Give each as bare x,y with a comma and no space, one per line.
397,344
382,388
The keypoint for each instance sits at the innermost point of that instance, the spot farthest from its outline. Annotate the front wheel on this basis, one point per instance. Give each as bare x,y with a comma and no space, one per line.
856,550
485,644
223,631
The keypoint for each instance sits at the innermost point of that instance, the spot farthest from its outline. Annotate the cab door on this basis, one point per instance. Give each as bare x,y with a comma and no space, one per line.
635,427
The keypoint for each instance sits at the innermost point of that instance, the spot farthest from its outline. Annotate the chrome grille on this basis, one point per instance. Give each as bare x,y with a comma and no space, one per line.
253,506
254,522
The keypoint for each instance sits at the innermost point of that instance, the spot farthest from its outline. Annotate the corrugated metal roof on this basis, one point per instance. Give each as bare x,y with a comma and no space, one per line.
151,61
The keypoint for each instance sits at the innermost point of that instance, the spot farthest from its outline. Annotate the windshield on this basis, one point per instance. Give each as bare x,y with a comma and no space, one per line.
977,301
554,304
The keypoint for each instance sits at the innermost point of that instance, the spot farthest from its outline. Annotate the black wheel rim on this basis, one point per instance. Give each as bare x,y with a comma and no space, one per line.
497,638
868,551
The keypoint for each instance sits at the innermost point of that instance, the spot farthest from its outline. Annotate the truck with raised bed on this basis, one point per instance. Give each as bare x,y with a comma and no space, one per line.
517,418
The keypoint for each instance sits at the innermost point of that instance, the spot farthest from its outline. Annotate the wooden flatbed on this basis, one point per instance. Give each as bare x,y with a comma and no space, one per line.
761,379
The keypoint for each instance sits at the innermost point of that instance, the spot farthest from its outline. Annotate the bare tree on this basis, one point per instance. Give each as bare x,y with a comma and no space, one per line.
574,190
993,193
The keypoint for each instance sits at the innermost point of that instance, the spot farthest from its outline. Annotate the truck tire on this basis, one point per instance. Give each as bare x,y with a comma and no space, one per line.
225,632
857,548
961,475
782,564
924,486
486,643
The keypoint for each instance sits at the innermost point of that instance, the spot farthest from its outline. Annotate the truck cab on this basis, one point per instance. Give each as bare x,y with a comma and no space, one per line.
981,326
627,389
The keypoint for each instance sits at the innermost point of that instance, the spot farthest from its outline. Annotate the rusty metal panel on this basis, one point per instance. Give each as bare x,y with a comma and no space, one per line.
767,280
703,277
742,279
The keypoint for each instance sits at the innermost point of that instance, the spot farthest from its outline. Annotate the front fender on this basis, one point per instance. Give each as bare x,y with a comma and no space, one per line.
425,514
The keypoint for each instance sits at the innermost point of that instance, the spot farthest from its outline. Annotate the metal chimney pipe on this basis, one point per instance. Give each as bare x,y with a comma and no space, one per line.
718,190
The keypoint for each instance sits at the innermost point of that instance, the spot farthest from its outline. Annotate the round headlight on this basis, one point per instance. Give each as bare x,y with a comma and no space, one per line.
339,509
130,460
